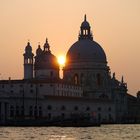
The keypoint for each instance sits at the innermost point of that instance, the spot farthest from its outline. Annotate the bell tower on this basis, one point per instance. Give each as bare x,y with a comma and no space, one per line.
28,62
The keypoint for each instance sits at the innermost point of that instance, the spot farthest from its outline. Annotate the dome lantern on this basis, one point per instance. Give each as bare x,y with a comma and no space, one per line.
28,48
39,50
85,32
47,46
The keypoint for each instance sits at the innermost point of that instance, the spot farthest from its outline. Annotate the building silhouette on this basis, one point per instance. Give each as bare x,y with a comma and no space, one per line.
87,90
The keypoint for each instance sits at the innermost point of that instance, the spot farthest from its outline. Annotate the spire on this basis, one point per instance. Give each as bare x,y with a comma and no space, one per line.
85,17
46,40
28,43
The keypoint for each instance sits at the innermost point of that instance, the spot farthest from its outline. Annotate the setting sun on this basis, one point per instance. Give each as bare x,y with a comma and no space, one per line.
61,60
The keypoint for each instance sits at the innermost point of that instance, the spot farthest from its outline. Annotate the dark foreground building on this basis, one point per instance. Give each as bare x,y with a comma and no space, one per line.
87,91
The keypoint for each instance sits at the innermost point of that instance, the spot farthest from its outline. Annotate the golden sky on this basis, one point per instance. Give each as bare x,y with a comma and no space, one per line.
115,25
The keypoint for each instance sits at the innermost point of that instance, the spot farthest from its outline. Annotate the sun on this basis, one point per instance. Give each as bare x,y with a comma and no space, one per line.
61,60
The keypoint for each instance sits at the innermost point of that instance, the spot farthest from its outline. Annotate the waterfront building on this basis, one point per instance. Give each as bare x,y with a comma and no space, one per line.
87,90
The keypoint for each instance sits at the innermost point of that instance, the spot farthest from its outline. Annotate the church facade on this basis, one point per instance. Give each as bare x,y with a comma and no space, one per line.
87,90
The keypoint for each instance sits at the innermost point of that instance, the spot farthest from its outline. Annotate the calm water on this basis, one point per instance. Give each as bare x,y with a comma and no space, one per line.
105,132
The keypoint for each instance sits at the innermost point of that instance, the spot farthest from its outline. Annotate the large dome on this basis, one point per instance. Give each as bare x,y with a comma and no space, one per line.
86,50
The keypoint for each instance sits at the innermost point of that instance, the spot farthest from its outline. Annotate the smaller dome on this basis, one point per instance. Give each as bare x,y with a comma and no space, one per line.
39,50
28,48
46,60
28,51
46,45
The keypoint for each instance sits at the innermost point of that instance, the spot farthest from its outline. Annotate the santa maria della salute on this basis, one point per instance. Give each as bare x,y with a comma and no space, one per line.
88,91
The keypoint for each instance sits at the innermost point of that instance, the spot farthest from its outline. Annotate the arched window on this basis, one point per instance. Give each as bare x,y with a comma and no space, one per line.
31,61
76,79
84,32
98,79
28,61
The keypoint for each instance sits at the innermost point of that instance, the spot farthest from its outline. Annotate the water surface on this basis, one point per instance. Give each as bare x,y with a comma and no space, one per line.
105,132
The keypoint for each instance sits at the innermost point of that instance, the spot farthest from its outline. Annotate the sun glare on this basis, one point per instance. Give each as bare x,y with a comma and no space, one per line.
61,60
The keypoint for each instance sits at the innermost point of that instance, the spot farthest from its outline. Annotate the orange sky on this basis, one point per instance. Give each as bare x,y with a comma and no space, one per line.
115,25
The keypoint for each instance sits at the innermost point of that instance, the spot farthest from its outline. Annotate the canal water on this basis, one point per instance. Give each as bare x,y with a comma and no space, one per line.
105,132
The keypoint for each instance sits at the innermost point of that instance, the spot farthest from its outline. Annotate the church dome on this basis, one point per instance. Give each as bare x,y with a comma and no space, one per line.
45,59
86,49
